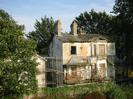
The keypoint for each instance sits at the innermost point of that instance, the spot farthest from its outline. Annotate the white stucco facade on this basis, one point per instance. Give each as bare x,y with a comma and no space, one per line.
82,56
41,74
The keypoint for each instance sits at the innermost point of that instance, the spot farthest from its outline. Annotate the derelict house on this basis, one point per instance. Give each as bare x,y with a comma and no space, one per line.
80,57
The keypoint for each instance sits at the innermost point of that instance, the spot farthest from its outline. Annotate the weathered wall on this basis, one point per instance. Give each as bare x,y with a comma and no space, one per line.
83,49
87,49
56,52
41,72
62,52
80,73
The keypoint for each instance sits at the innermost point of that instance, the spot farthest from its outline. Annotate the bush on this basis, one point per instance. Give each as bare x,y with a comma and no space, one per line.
128,89
112,91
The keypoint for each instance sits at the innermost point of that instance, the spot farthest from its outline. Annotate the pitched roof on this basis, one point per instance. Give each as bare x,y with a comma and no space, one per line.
81,38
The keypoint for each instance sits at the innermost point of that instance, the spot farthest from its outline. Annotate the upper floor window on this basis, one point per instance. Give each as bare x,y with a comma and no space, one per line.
111,49
101,49
73,50
94,50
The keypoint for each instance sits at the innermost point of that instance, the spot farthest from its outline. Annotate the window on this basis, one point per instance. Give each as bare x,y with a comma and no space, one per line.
73,50
111,48
74,71
94,50
102,70
102,50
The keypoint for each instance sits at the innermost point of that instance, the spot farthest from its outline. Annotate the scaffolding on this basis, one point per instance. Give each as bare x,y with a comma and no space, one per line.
53,75
58,77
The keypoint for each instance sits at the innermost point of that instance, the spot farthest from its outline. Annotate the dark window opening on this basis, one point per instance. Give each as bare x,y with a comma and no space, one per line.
94,50
73,49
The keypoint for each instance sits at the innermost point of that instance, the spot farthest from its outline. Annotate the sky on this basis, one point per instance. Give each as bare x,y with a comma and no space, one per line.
27,11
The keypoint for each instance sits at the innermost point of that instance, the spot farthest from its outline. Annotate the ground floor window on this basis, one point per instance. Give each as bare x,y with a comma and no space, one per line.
102,70
77,73
74,71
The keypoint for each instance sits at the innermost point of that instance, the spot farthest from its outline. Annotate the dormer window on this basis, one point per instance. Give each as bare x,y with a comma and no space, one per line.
73,50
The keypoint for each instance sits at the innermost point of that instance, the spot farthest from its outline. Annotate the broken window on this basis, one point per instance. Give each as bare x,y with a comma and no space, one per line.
101,49
111,48
102,70
74,71
94,50
73,50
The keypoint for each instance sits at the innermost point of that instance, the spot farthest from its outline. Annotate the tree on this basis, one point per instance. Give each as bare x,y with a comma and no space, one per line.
95,22
124,12
17,65
102,23
42,34
109,25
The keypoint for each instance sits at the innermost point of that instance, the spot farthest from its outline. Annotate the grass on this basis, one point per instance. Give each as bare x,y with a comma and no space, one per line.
128,90
110,90
88,91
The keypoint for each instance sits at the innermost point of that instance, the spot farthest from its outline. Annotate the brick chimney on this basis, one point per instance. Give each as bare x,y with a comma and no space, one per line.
74,28
82,31
58,27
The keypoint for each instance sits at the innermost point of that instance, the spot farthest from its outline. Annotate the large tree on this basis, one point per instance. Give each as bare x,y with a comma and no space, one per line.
105,24
17,65
102,23
43,31
124,12
95,22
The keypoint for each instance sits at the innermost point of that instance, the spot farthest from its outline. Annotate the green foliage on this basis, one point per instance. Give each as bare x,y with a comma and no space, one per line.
124,9
95,22
118,27
128,89
17,65
80,91
124,13
104,24
42,34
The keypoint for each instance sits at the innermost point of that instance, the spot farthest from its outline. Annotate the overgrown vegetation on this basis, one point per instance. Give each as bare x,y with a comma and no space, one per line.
109,90
18,69
117,26
128,90
17,65
44,29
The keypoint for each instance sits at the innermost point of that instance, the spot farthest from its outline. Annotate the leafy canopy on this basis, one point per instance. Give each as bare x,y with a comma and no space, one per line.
124,9
124,12
43,31
17,65
95,22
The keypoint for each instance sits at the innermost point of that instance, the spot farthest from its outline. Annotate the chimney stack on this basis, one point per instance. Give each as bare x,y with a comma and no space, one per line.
58,27
74,28
82,30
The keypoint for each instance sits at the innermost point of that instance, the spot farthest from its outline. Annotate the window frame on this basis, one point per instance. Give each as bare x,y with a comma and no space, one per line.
73,50
102,53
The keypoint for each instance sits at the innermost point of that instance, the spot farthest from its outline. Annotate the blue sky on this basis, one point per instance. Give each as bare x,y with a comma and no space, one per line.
27,11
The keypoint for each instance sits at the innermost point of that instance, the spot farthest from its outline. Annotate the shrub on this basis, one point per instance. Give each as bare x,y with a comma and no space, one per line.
111,90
